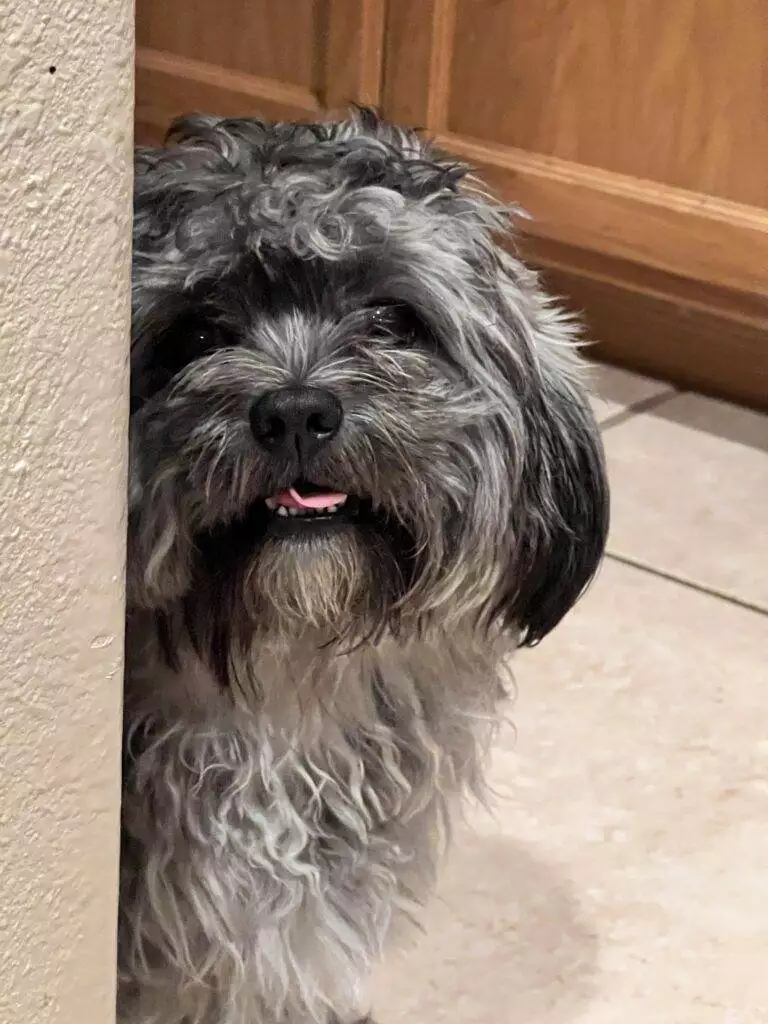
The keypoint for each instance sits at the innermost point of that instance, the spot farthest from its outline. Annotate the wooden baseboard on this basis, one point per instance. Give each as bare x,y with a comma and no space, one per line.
672,283
707,239
697,337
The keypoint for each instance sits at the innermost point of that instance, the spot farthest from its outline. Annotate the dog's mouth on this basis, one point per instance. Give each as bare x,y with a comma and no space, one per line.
311,503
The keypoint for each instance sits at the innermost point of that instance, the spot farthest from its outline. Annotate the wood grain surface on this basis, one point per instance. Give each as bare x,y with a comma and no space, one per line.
702,237
279,60
635,132
265,38
674,91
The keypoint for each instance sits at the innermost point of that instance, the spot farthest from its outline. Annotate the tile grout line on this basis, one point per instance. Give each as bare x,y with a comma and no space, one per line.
699,588
644,405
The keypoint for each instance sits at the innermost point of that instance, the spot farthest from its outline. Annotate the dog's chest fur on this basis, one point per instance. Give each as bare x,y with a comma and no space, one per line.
267,852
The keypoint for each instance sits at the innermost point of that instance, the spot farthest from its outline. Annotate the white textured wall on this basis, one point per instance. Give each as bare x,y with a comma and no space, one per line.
65,142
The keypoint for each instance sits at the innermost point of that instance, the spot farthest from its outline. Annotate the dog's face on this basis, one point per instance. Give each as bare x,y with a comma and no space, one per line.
351,411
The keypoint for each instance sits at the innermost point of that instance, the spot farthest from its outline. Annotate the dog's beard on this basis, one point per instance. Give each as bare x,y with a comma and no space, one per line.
254,590
330,582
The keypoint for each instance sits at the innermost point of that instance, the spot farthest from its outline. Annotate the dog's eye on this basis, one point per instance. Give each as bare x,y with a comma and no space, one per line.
187,339
396,323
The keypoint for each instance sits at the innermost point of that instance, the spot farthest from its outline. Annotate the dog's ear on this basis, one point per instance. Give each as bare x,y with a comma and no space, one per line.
561,508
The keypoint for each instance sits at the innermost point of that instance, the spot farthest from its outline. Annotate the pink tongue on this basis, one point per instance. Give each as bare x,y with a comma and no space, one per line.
292,499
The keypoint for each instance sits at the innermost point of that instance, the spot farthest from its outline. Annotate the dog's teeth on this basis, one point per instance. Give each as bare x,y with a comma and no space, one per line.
289,511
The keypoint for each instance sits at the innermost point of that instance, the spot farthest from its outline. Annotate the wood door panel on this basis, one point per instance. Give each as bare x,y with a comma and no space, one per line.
592,124
265,58
257,37
635,132
167,85
579,204
673,92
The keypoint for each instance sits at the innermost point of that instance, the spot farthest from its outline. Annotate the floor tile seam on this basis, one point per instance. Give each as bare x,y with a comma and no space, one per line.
644,405
689,584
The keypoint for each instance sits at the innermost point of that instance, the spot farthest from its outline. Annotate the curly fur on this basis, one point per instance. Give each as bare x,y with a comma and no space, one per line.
303,711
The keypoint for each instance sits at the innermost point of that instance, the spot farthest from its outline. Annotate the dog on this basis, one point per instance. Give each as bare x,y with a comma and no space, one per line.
363,471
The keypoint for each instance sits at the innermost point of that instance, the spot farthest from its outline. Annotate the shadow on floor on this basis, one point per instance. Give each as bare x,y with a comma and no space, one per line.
505,943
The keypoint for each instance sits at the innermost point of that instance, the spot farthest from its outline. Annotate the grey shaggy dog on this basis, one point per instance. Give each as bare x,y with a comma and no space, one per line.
363,471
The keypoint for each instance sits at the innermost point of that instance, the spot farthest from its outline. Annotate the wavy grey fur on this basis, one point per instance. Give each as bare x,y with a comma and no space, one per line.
303,712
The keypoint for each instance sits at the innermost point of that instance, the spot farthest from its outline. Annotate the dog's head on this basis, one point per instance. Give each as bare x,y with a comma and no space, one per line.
352,411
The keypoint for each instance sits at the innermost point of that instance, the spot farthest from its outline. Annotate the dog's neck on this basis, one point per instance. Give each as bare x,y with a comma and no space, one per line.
327,790
302,686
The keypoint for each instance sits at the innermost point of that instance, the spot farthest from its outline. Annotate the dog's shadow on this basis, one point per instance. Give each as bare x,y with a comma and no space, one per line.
505,943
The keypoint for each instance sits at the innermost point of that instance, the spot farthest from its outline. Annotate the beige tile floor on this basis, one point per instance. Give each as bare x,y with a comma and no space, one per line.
623,878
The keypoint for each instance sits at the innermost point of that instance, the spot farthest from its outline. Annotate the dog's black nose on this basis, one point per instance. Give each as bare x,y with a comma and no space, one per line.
296,420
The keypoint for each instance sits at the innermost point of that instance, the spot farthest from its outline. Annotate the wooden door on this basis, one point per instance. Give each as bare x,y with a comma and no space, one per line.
636,134
634,131
282,59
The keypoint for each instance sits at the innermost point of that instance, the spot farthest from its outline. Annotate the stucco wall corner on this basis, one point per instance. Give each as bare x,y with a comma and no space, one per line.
66,98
